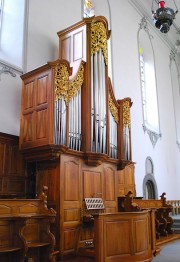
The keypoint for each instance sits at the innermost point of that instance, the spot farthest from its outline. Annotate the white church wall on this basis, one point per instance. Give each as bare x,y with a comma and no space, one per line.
10,100
125,24
45,19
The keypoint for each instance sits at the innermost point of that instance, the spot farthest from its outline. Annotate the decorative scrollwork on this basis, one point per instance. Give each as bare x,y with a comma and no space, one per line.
7,70
63,87
126,114
76,84
61,82
114,110
152,135
99,39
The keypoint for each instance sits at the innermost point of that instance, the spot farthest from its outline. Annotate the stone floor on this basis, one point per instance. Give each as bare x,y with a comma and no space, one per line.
170,252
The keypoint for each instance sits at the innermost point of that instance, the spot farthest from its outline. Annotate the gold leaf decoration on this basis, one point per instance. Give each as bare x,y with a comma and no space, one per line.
63,87
76,84
126,114
61,82
99,39
114,110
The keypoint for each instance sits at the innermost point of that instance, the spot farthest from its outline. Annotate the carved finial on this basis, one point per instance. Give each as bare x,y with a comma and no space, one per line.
163,195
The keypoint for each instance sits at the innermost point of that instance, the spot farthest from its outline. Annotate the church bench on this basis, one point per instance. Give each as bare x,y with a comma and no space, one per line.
25,230
163,219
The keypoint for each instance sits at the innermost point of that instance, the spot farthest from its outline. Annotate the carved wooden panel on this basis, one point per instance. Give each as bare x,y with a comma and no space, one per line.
126,181
66,48
41,126
36,111
92,183
141,226
71,181
69,234
72,45
28,91
27,131
71,215
114,230
131,232
2,147
12,169
129,177
109,183
49,177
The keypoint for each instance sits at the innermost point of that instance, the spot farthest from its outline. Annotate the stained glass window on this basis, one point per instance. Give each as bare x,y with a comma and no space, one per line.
88,8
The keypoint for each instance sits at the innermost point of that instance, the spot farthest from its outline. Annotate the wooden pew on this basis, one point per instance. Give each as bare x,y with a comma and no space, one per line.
25,230
162,211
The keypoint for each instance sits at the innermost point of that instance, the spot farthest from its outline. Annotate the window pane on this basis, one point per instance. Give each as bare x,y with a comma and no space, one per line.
11,41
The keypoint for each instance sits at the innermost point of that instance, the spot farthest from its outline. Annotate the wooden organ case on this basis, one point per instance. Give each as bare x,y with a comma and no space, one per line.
74,135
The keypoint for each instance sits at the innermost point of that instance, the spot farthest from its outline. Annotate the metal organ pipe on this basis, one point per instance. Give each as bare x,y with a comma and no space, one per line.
60,122
126,143
75,122
113,137
98,98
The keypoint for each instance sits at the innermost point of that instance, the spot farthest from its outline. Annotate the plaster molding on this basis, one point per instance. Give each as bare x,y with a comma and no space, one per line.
152,135
5,69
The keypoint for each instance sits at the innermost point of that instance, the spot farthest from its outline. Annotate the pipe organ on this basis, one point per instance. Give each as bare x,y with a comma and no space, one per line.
74,134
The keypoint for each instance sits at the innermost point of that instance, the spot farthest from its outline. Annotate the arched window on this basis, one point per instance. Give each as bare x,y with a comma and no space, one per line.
13,15
150,194
176,94
150,109
149,182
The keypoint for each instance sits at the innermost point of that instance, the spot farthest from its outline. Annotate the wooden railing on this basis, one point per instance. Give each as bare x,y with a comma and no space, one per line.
175,206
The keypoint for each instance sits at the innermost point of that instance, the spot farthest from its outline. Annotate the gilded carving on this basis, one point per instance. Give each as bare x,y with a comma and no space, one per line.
63,87
61,82
75,86
126,114
114,110
99,39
